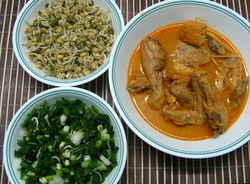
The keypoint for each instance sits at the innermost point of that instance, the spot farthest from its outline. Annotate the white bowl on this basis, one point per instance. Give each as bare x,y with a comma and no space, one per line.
27,16
216,16
15,133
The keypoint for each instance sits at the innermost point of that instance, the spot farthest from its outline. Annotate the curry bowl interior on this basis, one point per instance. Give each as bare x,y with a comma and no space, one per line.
224,20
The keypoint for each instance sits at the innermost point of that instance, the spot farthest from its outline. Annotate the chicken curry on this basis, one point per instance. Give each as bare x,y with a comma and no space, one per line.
188,81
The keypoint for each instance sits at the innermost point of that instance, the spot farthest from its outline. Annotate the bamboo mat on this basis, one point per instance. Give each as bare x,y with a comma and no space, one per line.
144,164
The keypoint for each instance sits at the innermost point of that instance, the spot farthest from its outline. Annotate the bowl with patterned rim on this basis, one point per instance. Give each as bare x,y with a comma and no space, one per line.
221,18
15,132
80,56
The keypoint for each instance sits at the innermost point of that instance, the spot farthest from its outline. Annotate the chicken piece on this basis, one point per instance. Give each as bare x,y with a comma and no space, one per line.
215,47
232,69
236,97
196,116
185,117
215,109
153,59
193,32
180,73
183,94
190,55
138,84
170,98
157,96
220,81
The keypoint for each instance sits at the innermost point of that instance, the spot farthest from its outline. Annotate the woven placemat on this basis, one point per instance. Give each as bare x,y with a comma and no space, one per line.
144,163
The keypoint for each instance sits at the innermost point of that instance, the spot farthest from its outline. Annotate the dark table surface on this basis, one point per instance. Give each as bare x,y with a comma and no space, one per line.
144,163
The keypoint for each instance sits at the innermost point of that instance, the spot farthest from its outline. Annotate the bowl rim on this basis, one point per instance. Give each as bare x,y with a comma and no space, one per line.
116,97
38,99
26,65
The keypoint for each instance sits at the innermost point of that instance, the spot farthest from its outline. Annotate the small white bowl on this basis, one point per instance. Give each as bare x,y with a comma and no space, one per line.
27,15
15,133
216,16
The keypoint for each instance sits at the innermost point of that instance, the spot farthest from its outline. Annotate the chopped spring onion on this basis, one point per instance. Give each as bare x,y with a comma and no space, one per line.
67,142
104,160
76,137
63,119
56,180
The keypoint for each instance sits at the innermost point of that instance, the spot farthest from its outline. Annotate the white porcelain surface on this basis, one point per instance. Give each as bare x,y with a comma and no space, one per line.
15,132
27,16
216,16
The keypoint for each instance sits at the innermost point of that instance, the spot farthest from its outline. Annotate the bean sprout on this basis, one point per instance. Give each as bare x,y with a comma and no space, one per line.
69,38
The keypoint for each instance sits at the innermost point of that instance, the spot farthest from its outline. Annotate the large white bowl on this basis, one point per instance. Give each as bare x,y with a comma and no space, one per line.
216,16
27,15
15,133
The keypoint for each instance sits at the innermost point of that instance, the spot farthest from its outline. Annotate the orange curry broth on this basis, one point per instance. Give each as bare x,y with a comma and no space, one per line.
168,38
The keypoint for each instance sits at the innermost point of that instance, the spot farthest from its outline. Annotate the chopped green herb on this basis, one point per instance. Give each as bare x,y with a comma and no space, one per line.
67,142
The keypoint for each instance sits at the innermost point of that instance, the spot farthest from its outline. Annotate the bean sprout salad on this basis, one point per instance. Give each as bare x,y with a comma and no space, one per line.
69,38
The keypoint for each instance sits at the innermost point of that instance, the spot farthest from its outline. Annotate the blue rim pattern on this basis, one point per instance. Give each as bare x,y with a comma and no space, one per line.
113,117
200,154
103,67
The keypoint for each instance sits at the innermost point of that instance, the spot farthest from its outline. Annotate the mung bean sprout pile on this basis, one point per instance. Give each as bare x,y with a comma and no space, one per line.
69,38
